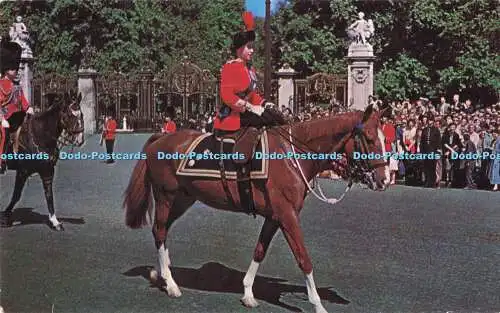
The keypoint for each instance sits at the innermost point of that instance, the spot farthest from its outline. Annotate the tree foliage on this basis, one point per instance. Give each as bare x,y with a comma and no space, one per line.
455,43
420,45
128,36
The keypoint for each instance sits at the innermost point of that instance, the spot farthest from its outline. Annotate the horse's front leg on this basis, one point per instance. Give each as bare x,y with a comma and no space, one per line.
47,176
6,217
293,234
266,235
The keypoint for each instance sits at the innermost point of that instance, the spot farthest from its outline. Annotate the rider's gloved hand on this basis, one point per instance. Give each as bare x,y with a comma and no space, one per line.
240,105
5,123
269,105
256,109
30,111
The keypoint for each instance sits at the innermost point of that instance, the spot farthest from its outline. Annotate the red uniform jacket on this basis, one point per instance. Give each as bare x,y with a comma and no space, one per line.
110,129
169,127
390,136
236,78
12,98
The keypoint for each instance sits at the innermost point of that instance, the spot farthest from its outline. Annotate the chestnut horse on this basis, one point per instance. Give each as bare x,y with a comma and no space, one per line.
278,199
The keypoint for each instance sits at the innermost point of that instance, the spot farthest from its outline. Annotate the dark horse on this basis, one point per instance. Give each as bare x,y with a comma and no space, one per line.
279,199
43,135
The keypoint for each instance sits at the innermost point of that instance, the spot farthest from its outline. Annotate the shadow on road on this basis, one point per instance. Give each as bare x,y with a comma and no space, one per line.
216,277
27,216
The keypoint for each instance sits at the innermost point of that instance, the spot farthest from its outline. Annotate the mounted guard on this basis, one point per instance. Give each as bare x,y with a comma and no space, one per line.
244,112
13,104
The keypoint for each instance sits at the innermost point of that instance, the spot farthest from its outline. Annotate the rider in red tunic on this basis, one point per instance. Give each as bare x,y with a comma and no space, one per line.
242,105
12,98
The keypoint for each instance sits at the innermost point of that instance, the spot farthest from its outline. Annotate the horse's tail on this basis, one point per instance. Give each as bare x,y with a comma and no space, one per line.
138,198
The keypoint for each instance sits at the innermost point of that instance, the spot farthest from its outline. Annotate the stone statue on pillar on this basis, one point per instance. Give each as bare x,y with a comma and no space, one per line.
18,33
361,30
360,62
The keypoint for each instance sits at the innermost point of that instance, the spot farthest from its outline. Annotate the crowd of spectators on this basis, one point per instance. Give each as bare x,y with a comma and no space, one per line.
459,132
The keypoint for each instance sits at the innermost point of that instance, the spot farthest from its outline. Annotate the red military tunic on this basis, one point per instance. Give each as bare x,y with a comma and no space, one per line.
12,98
236,78
390,136
110,129
169,127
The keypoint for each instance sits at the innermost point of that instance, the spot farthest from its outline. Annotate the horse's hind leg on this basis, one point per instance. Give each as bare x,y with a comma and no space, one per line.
169,207
6,217
266,235
47,176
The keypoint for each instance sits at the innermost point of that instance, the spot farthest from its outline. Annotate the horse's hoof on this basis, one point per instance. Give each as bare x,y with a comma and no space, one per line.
249,302
174,291
153,276
58,227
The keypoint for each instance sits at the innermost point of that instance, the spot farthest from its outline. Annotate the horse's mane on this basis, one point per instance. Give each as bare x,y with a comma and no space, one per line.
326,126
47,115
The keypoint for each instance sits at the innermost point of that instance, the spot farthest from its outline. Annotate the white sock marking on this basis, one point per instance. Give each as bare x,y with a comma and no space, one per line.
249,278
166,274
313,295
387,173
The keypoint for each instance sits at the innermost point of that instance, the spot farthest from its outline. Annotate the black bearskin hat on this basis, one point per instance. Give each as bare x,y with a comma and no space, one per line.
10,56
242,38
170,111
110,111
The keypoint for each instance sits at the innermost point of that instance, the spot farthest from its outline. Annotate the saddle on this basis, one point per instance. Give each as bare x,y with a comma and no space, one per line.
246,141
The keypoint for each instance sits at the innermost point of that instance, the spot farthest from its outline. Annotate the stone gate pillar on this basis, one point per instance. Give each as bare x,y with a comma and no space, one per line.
87,87
360,75
26,77
286,89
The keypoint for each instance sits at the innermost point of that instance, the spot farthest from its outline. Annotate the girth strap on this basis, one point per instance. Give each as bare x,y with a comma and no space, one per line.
223,177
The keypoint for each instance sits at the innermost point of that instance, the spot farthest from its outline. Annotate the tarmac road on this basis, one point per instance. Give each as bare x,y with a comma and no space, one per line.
403,250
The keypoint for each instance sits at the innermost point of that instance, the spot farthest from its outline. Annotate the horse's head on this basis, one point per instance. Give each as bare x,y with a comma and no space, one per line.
366,150
72,119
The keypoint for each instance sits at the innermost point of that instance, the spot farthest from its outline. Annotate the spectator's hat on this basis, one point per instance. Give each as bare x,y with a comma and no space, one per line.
170,111
247,34
10,56
110,111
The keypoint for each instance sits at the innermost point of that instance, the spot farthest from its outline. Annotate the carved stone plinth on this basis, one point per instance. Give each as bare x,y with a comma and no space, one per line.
360,75
86,85
286,89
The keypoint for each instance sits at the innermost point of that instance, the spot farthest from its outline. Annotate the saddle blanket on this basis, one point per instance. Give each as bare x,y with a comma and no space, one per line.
206,154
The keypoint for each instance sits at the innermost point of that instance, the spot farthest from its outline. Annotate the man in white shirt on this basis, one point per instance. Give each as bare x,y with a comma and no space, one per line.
444,107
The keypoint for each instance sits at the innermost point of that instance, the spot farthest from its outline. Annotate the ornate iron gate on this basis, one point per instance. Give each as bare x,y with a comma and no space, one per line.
186,89
49,85
143,98
321,88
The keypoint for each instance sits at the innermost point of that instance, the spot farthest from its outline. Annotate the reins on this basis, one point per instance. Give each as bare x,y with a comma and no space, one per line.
320,196
362,173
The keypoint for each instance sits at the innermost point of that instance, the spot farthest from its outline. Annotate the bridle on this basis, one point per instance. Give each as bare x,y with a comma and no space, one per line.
361,170
69,135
